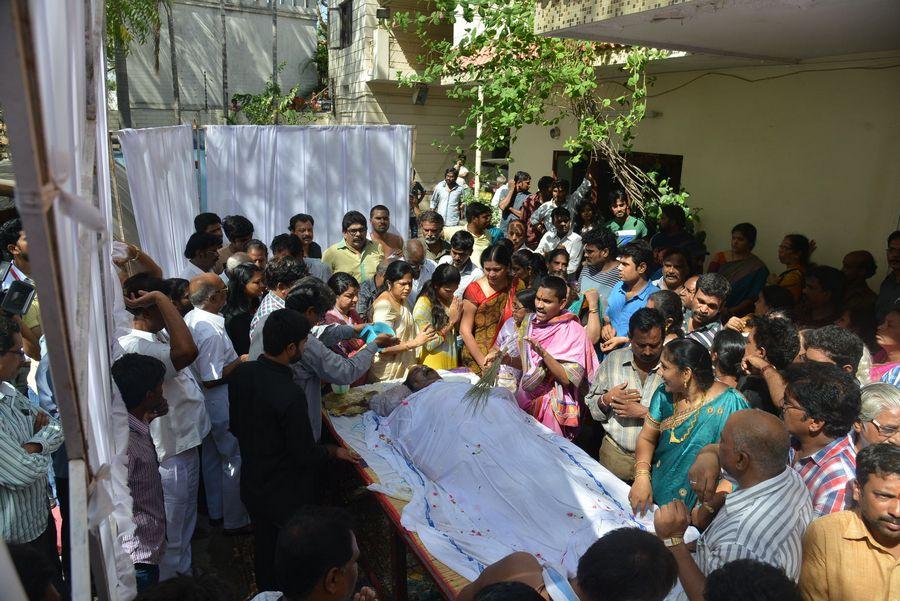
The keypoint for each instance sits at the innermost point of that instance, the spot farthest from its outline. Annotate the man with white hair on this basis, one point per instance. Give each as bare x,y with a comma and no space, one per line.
423,268
879,416
233,261
220,453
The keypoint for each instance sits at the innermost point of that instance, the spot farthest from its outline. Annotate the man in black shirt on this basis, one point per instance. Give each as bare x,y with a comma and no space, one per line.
269,417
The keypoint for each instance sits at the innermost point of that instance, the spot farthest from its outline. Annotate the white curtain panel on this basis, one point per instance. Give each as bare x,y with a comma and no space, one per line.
82,229
163,185
269,173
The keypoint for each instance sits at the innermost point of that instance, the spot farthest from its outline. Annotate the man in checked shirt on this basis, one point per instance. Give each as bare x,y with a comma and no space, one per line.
139,379
28,437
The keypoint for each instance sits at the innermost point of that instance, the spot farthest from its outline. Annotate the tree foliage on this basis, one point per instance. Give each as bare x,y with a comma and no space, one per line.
509,77
271,106
133,21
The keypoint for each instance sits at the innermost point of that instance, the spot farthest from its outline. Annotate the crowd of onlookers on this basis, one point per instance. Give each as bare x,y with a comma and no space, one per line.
761,407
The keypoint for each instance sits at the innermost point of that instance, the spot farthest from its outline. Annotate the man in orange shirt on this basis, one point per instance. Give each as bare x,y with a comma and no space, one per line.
853,554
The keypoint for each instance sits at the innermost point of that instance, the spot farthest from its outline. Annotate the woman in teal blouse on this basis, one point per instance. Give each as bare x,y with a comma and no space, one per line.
688,412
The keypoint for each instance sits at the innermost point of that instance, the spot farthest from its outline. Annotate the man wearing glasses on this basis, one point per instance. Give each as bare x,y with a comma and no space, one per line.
28,437
821,403
356,254
220,453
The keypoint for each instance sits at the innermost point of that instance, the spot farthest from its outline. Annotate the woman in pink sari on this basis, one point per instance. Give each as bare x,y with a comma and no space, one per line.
556,358
346,291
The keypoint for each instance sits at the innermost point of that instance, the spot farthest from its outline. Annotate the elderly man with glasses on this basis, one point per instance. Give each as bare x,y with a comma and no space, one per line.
220,456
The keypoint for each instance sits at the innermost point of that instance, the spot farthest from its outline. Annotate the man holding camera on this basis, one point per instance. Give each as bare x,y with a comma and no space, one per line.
15,250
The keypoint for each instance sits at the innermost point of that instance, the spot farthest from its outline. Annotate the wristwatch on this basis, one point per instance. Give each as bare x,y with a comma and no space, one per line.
674,541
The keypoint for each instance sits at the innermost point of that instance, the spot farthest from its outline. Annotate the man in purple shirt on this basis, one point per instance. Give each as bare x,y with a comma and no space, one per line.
139,379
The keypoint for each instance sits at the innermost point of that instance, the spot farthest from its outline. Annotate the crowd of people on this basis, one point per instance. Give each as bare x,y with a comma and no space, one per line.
760,407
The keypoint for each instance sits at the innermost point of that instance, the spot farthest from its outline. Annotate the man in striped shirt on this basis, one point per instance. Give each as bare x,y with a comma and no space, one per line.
28,437
139,379
709,299
821,402
600,267
764,519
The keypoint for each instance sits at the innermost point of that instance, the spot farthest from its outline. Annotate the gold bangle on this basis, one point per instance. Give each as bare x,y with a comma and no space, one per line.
647,463
638,473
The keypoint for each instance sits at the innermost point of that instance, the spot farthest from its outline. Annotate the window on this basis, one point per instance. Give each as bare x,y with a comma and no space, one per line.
341,29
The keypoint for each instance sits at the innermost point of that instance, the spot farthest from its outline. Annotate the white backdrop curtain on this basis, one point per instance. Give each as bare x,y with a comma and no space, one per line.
162,181
269,173
82,230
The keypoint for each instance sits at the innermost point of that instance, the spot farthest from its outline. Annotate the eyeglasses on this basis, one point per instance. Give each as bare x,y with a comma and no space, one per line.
18,352
786,406
357,232
886,431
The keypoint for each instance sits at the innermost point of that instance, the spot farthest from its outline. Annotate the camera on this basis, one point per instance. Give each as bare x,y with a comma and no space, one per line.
17,299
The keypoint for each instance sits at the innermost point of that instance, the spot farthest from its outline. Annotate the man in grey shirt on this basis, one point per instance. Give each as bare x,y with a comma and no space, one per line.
445,198
313,299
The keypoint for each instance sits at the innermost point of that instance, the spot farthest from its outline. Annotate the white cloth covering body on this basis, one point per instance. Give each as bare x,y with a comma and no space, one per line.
487,484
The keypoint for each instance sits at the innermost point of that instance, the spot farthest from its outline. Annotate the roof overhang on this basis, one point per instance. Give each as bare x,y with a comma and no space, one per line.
774,31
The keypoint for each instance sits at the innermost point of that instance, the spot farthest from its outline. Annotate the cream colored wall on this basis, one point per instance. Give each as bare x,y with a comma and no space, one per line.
814,153
388,103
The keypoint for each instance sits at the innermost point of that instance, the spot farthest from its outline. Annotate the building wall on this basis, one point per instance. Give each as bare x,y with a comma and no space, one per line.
362,99
198,34
814,153
387,103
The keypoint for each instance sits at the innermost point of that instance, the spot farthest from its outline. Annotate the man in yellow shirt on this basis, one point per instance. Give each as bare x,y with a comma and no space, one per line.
356,254
852,555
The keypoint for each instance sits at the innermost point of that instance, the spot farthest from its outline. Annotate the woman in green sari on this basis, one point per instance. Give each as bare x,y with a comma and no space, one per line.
688,412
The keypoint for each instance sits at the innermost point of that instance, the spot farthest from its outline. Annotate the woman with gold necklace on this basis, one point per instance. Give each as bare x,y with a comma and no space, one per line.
688,412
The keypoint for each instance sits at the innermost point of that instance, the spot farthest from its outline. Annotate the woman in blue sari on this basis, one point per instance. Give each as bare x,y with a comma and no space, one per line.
688,412
744,271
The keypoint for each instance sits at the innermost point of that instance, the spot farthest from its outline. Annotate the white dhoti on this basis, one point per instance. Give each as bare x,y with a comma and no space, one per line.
180,480
221,462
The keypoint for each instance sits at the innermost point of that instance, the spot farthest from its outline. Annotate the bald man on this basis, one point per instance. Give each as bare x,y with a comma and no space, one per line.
764,519
220,455
423,268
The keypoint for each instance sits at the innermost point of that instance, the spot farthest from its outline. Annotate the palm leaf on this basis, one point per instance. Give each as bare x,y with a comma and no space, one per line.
477,396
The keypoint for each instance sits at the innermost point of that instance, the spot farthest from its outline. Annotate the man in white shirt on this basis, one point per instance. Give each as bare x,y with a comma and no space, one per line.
564,237
221,456
461,245
202,252
178,434
414,254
